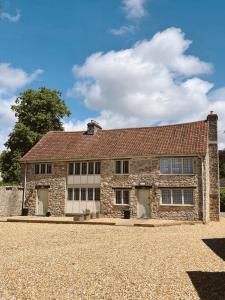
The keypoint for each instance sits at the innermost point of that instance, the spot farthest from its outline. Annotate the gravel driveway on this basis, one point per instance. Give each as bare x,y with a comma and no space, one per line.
47,261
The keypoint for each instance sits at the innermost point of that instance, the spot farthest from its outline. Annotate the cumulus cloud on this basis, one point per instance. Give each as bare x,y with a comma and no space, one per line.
11,79
134,9
123,30
11,18
154,82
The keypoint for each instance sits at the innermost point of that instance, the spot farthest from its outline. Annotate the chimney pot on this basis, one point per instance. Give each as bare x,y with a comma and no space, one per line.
93,127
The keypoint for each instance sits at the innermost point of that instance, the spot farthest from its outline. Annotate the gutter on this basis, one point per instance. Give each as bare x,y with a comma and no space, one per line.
203,193
24,188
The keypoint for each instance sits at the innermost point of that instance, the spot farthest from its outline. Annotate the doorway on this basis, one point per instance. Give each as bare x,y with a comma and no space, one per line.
42,202
143,203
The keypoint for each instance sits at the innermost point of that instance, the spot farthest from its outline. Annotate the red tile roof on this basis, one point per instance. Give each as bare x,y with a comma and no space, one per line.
180,139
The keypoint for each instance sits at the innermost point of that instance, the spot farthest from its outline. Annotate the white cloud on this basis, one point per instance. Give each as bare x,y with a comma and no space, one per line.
153,82
123,30
11,79
134,9
10,18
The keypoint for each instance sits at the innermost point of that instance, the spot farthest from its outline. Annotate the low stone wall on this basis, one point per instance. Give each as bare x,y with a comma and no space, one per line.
11,200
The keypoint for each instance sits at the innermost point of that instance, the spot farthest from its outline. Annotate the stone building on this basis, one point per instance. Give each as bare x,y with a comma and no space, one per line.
168,172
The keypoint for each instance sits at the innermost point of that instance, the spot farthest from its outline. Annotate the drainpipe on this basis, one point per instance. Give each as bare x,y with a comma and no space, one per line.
24,187
203,193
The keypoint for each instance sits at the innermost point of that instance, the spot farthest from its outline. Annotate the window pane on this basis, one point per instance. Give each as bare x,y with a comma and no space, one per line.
70,194
77,168
97,167
91,168
36,169
97,194
187,166
165,166
177,166
118,167
42,168
125,197
76,194
166,196
71,169
125,167
118,197
49,168
188,197
90,194
84,168
177,196
83,194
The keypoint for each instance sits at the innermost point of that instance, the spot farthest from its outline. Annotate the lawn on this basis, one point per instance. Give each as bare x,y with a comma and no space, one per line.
47,261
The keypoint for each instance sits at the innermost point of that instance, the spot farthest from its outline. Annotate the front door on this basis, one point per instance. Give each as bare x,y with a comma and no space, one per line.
143,204
42,202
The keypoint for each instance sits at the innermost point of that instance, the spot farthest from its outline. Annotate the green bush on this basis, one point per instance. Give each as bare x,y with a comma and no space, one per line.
8,183
222,199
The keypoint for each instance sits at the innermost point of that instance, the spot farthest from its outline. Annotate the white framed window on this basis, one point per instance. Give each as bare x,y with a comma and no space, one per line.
43,168
122,197
176,166
122,166
84,168
177,197
83,194
97,194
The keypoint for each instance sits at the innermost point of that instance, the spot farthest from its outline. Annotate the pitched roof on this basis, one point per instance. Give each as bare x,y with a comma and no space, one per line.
180,139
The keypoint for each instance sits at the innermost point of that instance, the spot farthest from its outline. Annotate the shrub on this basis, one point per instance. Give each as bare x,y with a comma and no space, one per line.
222,199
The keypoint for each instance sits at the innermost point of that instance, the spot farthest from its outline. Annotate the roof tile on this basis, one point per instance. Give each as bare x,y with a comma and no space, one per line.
180,139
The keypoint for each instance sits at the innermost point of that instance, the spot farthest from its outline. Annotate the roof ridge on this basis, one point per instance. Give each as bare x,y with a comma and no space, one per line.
133,128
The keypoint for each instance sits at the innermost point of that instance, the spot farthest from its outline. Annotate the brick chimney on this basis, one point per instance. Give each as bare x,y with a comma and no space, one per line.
212,119
93,127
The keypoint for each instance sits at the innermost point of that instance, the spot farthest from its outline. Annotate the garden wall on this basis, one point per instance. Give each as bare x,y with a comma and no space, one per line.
11,200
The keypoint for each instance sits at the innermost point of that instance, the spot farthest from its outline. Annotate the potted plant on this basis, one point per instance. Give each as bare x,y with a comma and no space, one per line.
93,215
86,213
97,214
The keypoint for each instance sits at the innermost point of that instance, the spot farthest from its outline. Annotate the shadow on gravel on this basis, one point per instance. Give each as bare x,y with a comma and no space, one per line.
217,246
209,285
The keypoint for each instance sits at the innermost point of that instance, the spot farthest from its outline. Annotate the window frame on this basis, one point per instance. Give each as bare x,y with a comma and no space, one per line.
77,168
122,166
121,191
38,167
171,160
182,195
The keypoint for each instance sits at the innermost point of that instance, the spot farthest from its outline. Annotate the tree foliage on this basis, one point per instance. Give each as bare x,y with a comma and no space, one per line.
222,199
37,112
222,163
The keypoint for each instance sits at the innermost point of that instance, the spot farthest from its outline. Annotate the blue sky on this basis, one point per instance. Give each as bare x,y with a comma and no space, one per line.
42,41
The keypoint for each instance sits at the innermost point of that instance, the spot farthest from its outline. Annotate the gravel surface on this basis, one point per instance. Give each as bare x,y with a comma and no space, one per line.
48,261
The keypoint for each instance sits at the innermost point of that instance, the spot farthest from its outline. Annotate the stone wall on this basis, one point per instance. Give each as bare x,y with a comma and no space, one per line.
11,198
214,195
56,183
146,171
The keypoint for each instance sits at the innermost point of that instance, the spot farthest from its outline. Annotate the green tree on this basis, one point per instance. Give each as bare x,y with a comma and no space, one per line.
37,112
222,163
222,199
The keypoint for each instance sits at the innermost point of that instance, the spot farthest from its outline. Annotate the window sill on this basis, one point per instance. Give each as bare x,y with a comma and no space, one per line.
178,205
119,174
121,204
191,174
